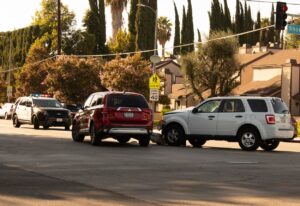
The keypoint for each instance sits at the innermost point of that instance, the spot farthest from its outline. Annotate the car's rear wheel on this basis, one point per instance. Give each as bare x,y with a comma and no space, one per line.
144,141
95,137
76,136
123,140
249,139
16,122
197,141
174,135
269,145
36,124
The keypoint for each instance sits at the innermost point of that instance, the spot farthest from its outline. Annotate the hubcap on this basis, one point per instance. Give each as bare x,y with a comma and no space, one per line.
173,135
248,139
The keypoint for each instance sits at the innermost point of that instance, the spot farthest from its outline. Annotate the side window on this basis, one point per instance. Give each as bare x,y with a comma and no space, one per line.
23,102
97,100
209,107
88,101
257,105
233,105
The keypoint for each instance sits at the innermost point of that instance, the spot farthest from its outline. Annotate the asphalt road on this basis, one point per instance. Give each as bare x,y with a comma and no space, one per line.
44,167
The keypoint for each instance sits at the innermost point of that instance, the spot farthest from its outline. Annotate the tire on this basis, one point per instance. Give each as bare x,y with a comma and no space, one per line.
269,145
249,139
46,126
174,135
123,140
95,137
197,141
67,127
16,122
144,141
36,124
76,136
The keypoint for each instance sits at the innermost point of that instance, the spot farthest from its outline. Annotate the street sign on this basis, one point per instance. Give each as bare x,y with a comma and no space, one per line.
9,91
154,95
154,82
293,29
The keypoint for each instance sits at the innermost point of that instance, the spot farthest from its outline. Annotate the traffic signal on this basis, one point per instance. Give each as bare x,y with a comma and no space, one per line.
281,15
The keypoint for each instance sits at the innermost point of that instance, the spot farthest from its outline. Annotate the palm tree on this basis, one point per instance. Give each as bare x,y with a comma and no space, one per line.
116,8
164,27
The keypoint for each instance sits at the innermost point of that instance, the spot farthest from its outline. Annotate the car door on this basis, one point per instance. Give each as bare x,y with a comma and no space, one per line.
28,110
20,110
231,115
85,115
203,119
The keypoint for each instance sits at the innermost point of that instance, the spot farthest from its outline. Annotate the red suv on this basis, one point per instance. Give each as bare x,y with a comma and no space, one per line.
120,115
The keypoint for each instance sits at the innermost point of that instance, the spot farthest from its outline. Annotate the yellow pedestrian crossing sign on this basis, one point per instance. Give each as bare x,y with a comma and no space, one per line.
154,82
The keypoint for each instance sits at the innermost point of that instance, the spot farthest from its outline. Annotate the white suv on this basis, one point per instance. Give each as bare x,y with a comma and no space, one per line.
251,121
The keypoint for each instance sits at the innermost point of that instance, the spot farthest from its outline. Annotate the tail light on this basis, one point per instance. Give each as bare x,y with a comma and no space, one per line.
270,119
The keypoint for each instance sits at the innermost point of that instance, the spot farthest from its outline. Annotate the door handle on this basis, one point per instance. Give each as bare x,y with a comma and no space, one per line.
238,116
211,117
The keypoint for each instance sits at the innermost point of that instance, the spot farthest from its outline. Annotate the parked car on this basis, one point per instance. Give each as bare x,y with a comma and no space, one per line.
73,108
251,121
120,115
40,111
6,110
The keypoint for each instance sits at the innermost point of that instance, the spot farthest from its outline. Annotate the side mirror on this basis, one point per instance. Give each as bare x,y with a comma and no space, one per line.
195,110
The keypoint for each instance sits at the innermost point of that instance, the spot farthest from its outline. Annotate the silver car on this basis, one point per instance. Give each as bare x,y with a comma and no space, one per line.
6,110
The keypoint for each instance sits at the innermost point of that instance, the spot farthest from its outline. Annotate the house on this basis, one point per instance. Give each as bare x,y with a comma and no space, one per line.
267,71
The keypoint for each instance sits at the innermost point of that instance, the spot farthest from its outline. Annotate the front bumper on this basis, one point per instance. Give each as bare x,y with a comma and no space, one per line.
56,122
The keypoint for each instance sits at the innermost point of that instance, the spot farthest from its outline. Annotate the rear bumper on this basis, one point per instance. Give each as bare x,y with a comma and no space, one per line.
133,131
279,134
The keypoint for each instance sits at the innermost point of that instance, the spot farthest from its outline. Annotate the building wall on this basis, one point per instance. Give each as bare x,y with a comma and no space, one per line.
294,107
265,74
285,84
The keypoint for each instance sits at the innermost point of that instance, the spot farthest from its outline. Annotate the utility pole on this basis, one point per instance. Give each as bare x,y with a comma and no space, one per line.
9,72
58,28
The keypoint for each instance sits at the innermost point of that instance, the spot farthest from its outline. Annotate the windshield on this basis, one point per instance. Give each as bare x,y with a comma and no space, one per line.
47,103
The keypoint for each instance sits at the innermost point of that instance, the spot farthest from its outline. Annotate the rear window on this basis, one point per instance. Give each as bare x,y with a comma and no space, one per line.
123,100
279,106
257,105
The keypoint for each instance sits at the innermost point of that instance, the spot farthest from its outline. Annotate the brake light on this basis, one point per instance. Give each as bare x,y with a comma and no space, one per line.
270,119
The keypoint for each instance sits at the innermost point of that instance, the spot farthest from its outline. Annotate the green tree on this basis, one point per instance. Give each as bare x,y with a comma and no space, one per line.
30,79
127,74
94,21
271,33
46,19
184,35
79,42
176,50
145,26
121,43
199,39
164,27
71,79
257,26
214,67
227,16
216,17
131,24
190,27
238,23
264,33
116,9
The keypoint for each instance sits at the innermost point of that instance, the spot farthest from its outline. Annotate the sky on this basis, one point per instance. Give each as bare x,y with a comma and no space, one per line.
16,14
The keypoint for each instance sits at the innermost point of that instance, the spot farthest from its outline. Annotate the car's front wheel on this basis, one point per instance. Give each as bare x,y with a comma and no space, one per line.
249,139
174,135
197,141
76,136
16,122
269,145
36,124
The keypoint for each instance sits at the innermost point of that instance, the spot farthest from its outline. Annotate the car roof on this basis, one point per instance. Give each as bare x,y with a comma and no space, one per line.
243,97
117,92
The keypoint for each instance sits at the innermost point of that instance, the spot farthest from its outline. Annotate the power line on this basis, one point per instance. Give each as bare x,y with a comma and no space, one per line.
149,50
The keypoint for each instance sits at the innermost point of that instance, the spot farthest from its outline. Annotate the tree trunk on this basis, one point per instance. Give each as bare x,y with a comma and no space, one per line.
163,50
117,21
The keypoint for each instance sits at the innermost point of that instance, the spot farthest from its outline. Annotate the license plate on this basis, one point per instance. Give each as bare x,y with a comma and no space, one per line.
128,115
59,119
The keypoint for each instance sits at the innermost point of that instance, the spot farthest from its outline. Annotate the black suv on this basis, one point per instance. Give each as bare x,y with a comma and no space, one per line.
40,111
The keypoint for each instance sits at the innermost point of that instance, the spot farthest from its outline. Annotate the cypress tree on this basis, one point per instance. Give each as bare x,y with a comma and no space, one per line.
190,27
242,22
131,24
145,27
271,32
216,17
199,39
227,16
176,50
183,32
94,22
258,25
238,26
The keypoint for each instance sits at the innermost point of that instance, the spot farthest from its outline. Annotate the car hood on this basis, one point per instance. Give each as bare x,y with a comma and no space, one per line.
180,111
